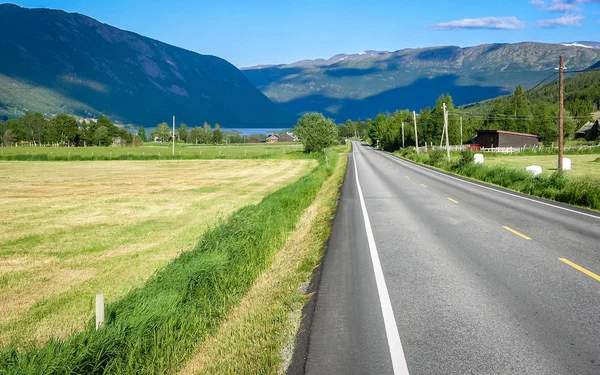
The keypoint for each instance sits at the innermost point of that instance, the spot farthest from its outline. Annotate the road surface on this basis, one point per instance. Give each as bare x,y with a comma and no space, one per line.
431,274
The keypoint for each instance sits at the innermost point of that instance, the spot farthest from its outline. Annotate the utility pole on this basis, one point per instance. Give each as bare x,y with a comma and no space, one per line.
416,135
461,137
561,112
446,128
173,136
402,134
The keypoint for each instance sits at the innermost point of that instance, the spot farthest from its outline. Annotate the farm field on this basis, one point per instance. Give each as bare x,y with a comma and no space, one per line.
584,166
160,150
74,229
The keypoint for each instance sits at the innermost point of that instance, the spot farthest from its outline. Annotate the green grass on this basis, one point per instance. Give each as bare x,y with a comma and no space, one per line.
583,166
579,191
74,229
155,328
153,152
258,335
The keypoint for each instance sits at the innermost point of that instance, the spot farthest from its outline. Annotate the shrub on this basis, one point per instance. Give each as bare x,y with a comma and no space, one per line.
436,157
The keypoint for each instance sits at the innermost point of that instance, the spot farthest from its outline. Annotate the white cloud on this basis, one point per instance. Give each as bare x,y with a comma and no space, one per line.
566,20
562,6
498,23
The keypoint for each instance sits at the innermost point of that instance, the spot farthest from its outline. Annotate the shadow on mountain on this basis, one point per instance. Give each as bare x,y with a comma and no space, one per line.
441,53
419,94
261,78
351,72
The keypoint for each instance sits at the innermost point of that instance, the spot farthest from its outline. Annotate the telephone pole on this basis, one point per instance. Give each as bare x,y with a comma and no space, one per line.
446,128
173,136
561,112
461,137
416,135
402,134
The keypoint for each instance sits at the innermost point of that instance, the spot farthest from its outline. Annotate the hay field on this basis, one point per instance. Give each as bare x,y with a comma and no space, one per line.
74,229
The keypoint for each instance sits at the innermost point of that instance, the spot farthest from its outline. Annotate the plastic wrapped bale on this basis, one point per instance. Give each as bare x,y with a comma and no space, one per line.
478,158
534,170
566,164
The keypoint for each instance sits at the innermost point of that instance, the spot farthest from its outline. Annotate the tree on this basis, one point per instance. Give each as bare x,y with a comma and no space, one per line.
63,129
141,133
206,134
113,130
183,132
101,136
194,135
34,127
217,136
163,132
316,132
86,135
9,138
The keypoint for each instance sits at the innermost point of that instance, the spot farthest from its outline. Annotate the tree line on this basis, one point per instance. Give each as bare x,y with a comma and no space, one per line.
66,130
62,130
516,112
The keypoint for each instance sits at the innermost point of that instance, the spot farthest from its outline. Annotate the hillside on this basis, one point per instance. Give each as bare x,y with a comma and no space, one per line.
53,62
362,85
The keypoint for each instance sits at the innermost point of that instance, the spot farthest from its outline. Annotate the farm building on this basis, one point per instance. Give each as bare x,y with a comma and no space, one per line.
272,139
589,131
502,138
287,137
256,140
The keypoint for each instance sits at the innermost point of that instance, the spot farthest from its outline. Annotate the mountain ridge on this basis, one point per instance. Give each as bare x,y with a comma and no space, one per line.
362,86
54,61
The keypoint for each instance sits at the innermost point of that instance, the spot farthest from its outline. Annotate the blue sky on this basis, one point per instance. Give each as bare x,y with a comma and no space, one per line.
247,32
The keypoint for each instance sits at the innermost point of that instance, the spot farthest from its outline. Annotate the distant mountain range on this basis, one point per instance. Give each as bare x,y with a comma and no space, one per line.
52,62
364,84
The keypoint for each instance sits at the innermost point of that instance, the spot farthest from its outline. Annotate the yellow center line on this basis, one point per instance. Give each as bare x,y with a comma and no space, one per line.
423,185
452,200
517,233
407,177
579,268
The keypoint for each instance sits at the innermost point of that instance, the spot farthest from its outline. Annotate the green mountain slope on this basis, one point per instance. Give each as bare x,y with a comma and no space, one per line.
352,86
53,61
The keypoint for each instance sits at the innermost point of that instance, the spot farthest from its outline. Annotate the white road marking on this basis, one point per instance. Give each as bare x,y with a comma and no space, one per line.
499,191
391,330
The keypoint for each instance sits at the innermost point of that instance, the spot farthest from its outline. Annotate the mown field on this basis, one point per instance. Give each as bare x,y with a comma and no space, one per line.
155,151
74,229
583,166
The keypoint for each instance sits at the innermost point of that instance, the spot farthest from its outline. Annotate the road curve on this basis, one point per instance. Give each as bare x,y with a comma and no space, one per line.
479,280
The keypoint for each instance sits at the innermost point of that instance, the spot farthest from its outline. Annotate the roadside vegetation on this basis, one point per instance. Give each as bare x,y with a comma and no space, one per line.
258,335
561,187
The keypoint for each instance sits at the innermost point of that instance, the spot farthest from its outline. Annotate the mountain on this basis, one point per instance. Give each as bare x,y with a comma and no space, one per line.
583,44
362,85
53,62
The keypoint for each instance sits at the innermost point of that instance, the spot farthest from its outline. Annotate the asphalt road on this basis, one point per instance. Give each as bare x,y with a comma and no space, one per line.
473,276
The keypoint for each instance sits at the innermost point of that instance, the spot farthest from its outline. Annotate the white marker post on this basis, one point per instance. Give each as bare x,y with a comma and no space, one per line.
99,310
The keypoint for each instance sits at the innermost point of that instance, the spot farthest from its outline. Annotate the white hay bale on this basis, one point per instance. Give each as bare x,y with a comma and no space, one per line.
478,158
566,164
534,169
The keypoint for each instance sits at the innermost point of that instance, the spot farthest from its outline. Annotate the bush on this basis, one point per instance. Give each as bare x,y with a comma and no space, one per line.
466,158
436,157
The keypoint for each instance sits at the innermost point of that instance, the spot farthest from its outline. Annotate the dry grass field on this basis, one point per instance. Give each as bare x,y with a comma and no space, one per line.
74,229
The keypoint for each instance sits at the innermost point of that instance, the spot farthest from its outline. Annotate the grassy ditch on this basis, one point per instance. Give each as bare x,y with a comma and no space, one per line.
559,187
156,328
257,336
